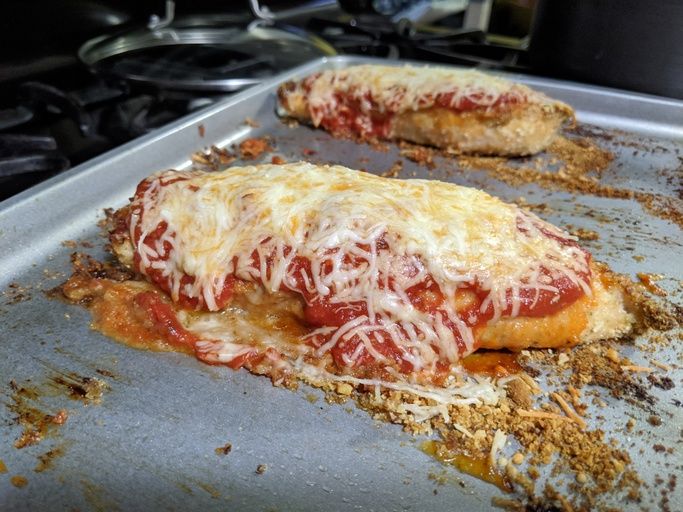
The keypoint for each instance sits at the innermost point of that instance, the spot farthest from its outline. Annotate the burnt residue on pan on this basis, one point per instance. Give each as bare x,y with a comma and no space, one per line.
86,389
46,460
36,422
16,293
38,408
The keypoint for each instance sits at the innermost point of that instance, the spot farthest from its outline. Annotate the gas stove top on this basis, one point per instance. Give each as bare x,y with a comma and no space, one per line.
380,37
55,120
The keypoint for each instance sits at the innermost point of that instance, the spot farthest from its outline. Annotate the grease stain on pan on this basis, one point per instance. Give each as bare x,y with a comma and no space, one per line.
97,497
19,481
46,460
104,366
187,484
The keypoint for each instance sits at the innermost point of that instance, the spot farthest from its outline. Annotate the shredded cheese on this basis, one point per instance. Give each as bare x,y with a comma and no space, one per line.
475,390
569,411
542,415
636,368
253,222
499,440
529,381
660,365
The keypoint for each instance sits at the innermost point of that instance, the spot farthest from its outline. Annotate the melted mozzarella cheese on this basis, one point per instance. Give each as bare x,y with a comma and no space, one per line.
331,215
470,390
401,89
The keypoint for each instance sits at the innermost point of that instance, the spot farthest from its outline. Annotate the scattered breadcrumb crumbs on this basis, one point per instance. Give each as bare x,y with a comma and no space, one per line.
635,368
213,159
583,233
648,281
419,154
654,420
251,149
16,293
248,121
224,450
612,355
19,481
660,365
60,417
394,171
573,165
568,410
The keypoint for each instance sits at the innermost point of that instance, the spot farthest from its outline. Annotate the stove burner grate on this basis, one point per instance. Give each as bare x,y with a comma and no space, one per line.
379,36
194,63
23,154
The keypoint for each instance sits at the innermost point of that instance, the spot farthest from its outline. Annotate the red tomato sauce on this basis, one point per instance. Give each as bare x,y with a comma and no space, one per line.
349,118
364,116
164,320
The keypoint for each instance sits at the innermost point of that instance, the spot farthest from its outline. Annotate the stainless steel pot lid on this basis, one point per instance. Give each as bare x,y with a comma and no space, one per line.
203,55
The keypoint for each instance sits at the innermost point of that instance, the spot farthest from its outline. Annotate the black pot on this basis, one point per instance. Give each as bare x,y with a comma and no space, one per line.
629,44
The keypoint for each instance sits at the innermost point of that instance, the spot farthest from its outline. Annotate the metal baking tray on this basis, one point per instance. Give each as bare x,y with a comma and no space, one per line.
149,442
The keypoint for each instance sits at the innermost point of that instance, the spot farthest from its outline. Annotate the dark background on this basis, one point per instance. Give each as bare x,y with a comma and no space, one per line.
38,35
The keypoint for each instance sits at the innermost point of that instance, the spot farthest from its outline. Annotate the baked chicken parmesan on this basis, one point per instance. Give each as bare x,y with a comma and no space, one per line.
463,111
323,270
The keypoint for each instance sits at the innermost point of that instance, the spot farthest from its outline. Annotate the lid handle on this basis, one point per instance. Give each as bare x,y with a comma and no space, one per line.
157,23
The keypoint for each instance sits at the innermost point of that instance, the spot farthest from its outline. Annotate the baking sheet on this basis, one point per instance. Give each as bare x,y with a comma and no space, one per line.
149,442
